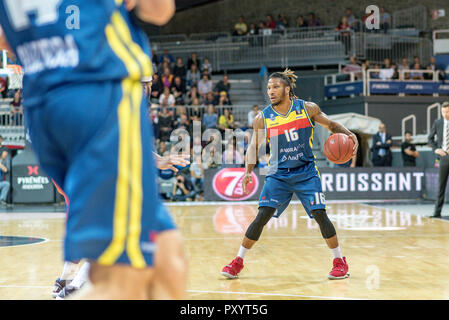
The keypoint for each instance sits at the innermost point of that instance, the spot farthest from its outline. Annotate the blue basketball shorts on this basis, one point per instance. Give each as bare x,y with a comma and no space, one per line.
95,141
304,181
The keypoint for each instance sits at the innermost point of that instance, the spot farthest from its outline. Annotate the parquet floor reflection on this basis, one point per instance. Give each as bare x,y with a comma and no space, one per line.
392,254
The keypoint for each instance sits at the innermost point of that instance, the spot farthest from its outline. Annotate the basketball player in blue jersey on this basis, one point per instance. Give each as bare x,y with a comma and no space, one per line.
87,120
287,126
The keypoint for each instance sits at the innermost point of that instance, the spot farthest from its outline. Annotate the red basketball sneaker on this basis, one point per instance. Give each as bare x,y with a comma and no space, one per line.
232,270
340,269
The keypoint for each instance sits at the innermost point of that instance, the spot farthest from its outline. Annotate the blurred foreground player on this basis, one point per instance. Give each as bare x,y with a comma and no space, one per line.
86,117
287,126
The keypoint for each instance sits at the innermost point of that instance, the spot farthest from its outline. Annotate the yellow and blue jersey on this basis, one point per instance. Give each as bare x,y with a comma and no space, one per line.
290,136
61,42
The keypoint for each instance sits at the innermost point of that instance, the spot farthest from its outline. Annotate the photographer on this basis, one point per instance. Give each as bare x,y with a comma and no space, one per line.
182,189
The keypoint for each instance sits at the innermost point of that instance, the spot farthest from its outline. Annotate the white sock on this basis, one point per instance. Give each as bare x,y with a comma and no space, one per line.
81,277
336,252
242,252
69,270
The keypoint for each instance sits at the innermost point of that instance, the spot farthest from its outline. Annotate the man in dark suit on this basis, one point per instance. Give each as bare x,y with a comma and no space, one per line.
382,142
439,141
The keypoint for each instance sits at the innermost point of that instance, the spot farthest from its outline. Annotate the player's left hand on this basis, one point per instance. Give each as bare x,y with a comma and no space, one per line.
170,161
356,143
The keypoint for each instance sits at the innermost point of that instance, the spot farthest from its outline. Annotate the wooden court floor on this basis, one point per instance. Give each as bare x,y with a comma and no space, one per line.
391,254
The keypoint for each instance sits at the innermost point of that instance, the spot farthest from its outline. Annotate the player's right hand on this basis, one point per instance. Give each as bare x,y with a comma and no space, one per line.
246,179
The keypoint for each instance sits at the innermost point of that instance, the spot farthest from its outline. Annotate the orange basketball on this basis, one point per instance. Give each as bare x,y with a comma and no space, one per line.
339,148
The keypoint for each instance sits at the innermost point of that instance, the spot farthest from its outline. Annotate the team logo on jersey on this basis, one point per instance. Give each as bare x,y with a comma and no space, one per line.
227,184
272,117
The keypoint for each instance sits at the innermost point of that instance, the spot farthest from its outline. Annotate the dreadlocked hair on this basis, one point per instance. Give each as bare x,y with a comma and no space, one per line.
289,77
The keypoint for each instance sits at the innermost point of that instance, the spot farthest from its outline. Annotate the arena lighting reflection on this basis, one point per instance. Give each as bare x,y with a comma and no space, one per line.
235,219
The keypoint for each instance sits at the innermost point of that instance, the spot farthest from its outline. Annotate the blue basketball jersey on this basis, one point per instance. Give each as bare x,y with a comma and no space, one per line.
58,42
290,136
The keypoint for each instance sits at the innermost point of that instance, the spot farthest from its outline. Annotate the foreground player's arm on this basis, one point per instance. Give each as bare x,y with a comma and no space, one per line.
321,118
169,162
252,151
158,12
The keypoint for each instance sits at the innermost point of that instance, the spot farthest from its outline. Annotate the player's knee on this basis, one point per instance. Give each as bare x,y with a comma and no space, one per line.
171,259
326,227
263,216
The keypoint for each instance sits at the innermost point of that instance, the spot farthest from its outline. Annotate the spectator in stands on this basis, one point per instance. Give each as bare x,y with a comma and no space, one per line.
167,78
167,99
404,66
261,27
156,88
193,76
222,99
353,66
166,55
205,85
182,189
312,20
240,28
282,22
395,71
345,33
197,179
178,89
226,120
195,102
434,67
16,108
387,72
417,61
184,123
165,124
416,75
210,99
223,85
162,149
408,150
300,23
253,30
2,147
252,115
210,119
3,87
4,183
375,74
350,18
270,23
179,70
366,65
381,153
206,66
385,20
193,60
231,156
211,158
192,95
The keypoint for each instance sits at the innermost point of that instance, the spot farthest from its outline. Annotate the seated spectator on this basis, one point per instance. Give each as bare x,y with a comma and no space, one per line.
211,158
387,72
162,149
165,124
167,78
404,66
3,87
282,22
270,23
226,120
300,23
193,76
366,65
223,85
252,31
385,20
178,89
195,102
350,18
156,88
395,72
261,27
375,74
210,99
182,189
197,179
240,28
434,67
206,67
184,123
179,70
167,99
416,60
4,183
205,85
210,119
193,60
345,33
16,108
222,99
193,94
353,66
416,75
313,21
231,155
166,55
252,115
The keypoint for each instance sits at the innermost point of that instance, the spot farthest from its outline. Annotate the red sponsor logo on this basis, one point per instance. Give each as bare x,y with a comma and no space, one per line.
33,170
227,184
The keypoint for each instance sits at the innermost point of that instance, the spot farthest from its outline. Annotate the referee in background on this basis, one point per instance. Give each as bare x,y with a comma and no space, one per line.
439,141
